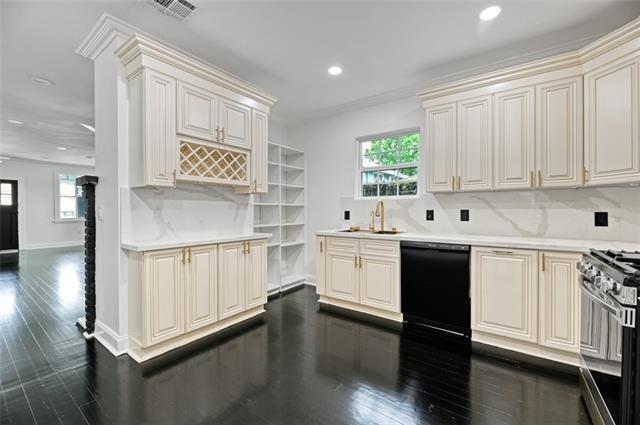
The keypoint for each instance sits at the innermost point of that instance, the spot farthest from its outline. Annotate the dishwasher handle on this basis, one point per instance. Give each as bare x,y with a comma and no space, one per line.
435,246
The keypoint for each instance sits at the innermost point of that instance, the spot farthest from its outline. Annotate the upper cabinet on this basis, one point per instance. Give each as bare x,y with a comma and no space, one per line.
562,122
514,139
191,122
611,122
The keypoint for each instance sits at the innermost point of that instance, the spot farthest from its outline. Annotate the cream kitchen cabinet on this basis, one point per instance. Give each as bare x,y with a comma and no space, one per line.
154,151
191,122
163,290
201,286
363,272
612,119
559,143
459,145
441,147
178,295
559,301
527,301
514,139
504,293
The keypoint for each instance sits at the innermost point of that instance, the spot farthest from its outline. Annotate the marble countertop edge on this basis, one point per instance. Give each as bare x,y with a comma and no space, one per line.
551,244
152,245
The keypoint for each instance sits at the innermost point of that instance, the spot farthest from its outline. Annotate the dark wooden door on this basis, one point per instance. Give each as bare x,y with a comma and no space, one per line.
8,215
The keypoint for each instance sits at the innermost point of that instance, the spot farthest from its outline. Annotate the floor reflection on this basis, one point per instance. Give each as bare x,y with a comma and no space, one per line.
296,365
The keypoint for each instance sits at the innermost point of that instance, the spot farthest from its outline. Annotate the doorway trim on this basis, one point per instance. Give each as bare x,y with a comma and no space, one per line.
22,204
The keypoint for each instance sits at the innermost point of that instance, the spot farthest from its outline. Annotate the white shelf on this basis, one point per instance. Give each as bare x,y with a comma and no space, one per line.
286,261
293,243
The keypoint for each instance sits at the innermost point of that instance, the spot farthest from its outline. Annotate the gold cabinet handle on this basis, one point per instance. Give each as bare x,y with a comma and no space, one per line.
255,185
539,178
244,247
222,132
182,255
531,179
459,186
585,174
361,261
218,134
189,255
321,243
453,183
248,247
543,261
355,257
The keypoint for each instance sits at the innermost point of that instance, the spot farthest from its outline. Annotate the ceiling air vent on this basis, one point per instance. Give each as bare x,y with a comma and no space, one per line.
179,9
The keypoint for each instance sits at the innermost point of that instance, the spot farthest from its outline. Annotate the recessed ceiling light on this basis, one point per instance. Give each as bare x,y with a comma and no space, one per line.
41,80
61,148
88,127
15,122
334,70
490,13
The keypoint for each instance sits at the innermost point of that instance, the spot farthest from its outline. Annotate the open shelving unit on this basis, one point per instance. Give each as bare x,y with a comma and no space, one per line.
281,212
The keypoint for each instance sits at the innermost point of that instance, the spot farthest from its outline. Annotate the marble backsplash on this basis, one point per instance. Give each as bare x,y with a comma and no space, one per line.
188,210
559,213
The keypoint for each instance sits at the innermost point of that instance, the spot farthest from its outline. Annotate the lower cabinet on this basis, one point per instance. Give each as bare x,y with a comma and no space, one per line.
527,300
365,273
182,294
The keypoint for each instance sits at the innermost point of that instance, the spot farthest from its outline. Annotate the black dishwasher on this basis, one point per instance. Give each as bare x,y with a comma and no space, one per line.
435,285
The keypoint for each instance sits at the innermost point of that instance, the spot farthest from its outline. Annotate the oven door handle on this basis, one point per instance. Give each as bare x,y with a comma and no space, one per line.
624,315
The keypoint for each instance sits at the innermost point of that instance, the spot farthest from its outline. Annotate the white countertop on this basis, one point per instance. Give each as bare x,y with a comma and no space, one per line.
550,244
151,245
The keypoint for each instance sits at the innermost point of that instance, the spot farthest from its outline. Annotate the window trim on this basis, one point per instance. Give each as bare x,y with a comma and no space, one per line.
360,169
56,201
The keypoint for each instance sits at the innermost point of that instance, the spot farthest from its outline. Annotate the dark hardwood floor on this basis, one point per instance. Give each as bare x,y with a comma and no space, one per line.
296,365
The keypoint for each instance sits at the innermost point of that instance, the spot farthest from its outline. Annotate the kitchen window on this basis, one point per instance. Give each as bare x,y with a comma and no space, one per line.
69,203
388,165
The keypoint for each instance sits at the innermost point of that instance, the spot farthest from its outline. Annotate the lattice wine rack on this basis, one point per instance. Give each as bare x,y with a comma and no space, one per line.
206,163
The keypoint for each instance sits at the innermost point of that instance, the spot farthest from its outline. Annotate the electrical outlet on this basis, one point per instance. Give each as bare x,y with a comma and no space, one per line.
601,218
430,215
464,215
347,215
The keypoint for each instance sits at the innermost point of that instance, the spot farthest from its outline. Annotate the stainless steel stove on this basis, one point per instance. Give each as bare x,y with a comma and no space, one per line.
610,346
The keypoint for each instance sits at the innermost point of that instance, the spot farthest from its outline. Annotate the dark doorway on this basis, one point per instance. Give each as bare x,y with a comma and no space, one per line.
9,222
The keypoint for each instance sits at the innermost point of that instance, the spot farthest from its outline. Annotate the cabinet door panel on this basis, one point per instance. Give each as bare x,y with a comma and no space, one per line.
380,283
202,287
321,252
342,276
441,147
474,144
161,150
559,133
231,279
256,274
505,293
259,152
612,115
560,301
197,112
163,295
514,139
235,122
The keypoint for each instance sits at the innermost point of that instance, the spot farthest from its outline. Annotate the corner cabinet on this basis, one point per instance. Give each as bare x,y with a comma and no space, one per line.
527,301
182,294
191,122
359,274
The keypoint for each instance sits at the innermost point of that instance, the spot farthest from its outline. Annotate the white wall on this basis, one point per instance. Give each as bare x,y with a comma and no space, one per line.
36,204
331,167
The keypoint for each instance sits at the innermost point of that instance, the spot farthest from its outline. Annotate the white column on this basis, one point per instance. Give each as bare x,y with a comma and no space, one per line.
111,163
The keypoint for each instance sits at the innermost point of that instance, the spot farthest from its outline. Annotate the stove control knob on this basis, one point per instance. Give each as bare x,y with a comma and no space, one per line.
592,273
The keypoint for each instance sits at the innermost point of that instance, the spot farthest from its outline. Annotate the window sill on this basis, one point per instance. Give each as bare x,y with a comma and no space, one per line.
67,220
384,198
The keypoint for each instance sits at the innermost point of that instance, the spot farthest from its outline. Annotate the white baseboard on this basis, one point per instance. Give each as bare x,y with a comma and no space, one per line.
116,344
310,279
53,245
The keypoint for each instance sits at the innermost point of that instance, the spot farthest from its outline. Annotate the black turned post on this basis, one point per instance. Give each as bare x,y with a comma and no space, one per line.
88,184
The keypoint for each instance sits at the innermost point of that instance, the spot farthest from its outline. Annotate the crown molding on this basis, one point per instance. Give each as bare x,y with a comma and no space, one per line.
575,58
102,34
142,45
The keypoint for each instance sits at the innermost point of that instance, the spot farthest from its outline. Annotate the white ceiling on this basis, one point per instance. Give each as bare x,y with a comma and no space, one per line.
387,49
